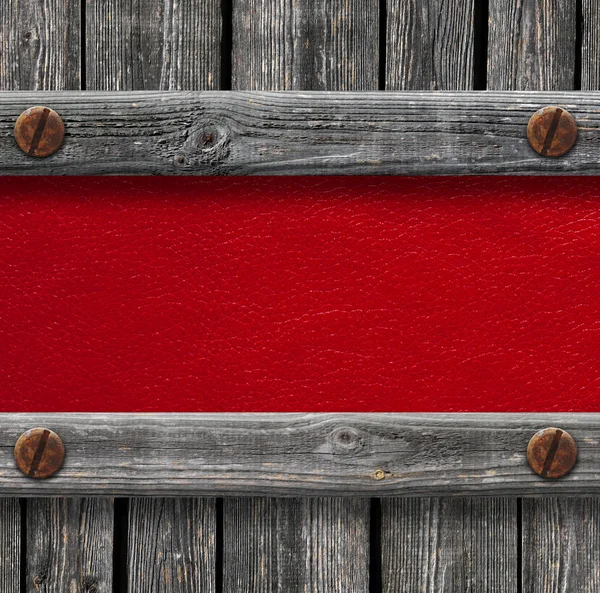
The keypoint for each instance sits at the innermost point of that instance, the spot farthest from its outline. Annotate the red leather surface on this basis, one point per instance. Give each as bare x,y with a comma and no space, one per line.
339,294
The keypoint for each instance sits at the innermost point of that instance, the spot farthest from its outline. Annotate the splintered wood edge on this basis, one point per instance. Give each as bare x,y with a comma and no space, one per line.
299,455
300,133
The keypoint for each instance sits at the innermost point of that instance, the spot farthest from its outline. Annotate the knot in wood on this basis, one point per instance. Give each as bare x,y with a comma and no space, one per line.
208,143
347,440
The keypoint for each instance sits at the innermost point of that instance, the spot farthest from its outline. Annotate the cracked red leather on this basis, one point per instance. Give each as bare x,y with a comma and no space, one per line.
300,295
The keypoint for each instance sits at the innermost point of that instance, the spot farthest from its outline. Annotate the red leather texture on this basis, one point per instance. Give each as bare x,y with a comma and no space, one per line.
331,294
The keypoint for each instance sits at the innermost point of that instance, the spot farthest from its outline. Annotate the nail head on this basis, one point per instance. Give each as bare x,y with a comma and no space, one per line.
39,131
39,453
552,131
552,453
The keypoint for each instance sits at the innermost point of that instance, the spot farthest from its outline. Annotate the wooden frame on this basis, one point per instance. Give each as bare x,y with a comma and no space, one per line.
293,133
299,454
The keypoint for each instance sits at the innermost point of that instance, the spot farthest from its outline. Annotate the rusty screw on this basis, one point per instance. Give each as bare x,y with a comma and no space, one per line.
552,131
552,453
39,131
39,453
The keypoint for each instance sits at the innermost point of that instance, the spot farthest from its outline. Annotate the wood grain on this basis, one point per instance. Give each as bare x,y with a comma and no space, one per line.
153,44
561,545
448,545
171,545
296,545
300,454
315,133
69,545
40,45
305,44
590,46
532,45
430,45
10,544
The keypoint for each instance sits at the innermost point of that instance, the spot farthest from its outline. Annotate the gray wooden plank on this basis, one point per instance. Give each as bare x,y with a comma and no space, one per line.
10,544
532,45
318,133
40,45
171,545
296,545
430,45
590,46
69,545
305,44
153,45
561,545
448,545
300,454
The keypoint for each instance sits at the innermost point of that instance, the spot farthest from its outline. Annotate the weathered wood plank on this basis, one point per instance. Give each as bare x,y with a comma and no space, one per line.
153,45
590,46
172,545
448,545
69,545
532,45
561,545
430,45
40,45
250,133
296,545
305,44
300,454
10,544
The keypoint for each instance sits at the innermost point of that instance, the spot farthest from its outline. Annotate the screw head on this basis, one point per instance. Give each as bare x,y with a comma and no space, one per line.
552,131
39,131
39,453
552,453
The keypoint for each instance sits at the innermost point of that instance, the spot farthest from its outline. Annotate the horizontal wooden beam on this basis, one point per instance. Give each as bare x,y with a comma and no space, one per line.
296,454
292,133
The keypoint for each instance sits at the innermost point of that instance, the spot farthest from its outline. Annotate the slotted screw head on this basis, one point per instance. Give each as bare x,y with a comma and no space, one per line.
39,453
552,453
39,131
552,131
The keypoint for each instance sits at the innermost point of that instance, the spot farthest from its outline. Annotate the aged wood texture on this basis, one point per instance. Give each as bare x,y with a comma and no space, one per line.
430,45
305,44
171,545
40,45
318,133
10,544
153,45
296,545
532,45
590,46
448,545
561,545
300,454
69,545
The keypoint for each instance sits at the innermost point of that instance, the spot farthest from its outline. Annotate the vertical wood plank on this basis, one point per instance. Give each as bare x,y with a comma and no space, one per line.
430,45
10,544
590,46
561,545
532,45
40,45
305,45
153,45
448,545
296,545
70,545
171,545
